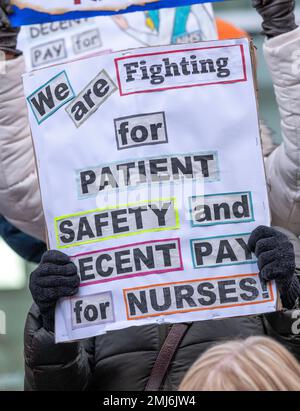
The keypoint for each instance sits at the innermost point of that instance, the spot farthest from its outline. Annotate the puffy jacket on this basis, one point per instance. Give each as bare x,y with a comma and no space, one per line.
123,360
120,360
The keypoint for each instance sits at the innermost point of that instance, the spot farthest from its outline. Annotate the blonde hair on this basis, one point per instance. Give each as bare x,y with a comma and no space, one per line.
255,364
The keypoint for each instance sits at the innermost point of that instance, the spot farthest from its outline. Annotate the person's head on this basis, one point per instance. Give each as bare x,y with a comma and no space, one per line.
255,364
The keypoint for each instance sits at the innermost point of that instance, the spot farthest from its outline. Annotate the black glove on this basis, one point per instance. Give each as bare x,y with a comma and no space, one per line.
276,261
278,16
8,34
55,277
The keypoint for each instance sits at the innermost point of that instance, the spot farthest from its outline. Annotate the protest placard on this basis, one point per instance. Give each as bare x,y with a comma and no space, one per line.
55,42
40,11
152,180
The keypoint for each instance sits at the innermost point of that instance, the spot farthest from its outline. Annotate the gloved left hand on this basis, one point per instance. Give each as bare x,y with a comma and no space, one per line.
276,261
8,34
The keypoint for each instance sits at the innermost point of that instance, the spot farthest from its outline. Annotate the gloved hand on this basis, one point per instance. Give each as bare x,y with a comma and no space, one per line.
276,261
278,16
8,34
55,277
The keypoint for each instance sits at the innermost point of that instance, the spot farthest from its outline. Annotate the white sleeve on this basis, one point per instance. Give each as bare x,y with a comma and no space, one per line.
282,54
20,200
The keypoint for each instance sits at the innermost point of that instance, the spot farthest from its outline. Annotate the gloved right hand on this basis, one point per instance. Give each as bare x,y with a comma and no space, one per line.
56,277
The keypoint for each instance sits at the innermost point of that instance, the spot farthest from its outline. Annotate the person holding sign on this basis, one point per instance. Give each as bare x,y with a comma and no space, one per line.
181,25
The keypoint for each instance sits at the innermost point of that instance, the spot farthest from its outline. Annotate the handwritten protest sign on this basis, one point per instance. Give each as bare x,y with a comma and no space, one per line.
152,181
40,11
49,43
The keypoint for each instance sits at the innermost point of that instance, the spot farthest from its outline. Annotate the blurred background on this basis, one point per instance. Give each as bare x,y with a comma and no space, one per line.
15,299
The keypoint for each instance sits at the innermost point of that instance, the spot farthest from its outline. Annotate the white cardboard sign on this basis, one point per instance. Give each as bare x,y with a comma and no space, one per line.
152,181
